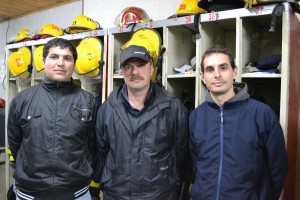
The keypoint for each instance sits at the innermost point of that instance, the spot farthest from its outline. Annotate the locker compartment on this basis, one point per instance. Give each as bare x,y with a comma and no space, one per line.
180,48
179,86
14,88
266,91
221,32
257,41
118,82
118,41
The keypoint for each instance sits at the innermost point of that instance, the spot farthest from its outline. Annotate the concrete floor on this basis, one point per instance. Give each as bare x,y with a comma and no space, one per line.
2,181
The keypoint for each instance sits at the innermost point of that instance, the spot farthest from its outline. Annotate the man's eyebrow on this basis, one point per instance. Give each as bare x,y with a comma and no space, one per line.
223,64
208,66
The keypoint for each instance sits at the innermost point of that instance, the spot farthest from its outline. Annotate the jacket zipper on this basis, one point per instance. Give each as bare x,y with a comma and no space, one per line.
221,155
54,135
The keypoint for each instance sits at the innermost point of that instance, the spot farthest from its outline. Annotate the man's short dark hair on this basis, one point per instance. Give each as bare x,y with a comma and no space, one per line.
218,49
62,43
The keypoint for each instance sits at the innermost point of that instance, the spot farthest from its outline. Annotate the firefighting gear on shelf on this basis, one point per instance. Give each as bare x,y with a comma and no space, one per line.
189,7
90,57
38,58
48,30
132,15
23,35
82,23
19,62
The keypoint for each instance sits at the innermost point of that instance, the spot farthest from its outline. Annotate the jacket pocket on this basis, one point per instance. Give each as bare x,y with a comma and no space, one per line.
29,116
161,172
82,114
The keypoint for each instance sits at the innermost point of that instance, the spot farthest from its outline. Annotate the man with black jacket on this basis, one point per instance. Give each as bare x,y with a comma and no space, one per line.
50,131
142,135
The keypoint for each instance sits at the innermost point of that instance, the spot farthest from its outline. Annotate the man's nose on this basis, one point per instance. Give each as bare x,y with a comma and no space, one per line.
134,69
217,73
60,61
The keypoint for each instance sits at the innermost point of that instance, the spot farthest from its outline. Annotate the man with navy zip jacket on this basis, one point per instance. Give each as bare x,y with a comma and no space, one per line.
236,142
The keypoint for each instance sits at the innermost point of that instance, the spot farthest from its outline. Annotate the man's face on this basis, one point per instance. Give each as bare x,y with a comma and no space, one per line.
137,74
218,75
59,64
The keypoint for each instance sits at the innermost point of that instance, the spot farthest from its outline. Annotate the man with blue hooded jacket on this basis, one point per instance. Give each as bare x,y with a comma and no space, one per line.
237,143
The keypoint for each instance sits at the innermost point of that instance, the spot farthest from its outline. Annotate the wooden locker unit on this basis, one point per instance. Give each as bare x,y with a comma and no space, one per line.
95,85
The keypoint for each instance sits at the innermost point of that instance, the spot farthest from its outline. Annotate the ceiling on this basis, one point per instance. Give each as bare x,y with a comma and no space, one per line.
10,9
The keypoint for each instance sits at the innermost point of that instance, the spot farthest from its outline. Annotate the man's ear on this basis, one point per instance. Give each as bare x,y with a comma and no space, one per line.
202,77
152,67
235,71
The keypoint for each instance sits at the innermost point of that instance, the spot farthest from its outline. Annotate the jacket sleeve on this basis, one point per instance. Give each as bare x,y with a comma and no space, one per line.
92,139
97,161
276,155
14,130
183,157
101,139
95,182
191,137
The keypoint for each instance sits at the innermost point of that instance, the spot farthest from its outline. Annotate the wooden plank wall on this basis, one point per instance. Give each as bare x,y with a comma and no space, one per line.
19,8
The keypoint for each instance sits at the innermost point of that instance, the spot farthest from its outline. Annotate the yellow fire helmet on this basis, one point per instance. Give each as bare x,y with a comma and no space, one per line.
19,63
90,55
38,58
148,38
82,23
23,33
51,29
189,7
131,15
